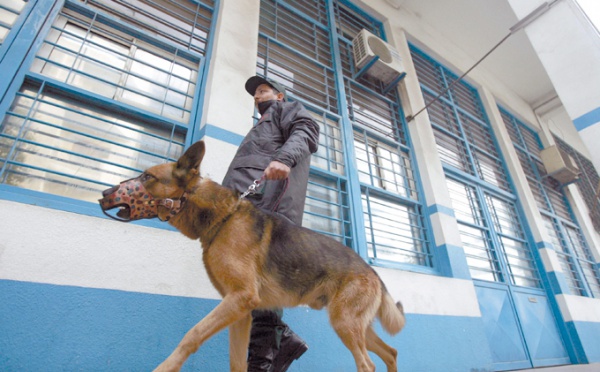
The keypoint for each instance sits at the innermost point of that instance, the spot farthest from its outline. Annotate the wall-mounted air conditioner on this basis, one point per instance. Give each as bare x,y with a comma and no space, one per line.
560,165
387,67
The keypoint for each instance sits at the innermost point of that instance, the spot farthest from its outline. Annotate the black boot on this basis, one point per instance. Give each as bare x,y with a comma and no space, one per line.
291,347
273,345
263,341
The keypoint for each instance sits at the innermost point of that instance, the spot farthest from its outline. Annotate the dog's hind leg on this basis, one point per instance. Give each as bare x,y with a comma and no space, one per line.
353,336
239,338
350,315
234,307
387,353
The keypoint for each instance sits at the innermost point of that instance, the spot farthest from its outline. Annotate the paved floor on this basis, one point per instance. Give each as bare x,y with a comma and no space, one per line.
572,368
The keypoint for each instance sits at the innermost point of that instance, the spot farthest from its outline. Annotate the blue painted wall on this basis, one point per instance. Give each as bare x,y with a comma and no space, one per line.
47,327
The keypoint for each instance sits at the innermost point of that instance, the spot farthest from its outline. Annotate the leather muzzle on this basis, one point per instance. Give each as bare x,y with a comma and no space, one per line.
134,202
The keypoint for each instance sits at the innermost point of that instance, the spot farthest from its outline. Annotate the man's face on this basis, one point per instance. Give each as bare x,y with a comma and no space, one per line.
265,92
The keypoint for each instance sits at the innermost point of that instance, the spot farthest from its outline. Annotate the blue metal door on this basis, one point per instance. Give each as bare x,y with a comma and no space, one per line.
518,320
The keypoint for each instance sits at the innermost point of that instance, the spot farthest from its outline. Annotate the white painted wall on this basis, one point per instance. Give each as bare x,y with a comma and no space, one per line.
53,247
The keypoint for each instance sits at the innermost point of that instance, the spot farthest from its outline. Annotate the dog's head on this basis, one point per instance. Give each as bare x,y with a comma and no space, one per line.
160,191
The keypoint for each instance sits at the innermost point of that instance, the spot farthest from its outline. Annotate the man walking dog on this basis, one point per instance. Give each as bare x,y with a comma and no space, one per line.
276,151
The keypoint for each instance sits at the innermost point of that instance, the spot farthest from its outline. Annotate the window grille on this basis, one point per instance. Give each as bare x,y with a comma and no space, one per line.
326,208
484,204
183,23
585,277
106,96
9,13
55,143
463,136
588,184
295,49
84,52
479,222
560,224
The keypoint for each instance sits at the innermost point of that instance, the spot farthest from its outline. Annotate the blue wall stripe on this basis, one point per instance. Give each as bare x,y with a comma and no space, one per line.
587,343
221,134
588,119
438,208
543,244
451,261
50,328
558,283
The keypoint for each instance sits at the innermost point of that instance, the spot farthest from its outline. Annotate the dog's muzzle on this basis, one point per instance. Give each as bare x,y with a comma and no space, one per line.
134,202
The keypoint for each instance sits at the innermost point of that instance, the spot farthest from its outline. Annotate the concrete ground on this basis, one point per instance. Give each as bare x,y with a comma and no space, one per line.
595,367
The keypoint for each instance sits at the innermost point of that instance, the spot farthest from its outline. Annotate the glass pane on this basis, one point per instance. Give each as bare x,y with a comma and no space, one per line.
394,232
184,22
96,57
329,155
60,145
9,13
324,210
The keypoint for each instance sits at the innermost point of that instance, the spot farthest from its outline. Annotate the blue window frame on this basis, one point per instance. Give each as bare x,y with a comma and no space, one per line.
9,14
494,238
111,88
363,188
567,239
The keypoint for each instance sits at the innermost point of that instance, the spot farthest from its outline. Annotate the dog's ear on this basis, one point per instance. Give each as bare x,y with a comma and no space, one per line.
192,158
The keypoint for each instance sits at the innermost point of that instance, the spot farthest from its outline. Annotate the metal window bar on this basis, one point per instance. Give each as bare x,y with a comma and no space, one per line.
329,155
554,205
460,112
384,166
182,22
566,261
282,22
588,184
374,112
62,145
118,66
302,76
349,21
476,237
394,231
515,248
326,209
9,13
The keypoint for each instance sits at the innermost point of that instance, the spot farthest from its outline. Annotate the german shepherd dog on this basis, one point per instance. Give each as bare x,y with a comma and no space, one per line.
259,261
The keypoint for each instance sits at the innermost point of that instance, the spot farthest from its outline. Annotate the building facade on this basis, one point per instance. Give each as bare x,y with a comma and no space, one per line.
493,257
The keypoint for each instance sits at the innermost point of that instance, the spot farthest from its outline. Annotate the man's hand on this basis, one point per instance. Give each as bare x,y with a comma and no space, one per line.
277,171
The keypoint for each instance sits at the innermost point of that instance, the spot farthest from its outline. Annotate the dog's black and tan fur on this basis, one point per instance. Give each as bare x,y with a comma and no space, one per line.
256,260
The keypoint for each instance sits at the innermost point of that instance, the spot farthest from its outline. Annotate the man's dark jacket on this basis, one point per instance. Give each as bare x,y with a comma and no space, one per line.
287,133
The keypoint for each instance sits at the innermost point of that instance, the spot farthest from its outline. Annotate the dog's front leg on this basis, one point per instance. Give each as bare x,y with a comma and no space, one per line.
234,307
239,338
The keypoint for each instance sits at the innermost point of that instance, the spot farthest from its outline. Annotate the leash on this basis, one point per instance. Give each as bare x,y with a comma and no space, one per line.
253,189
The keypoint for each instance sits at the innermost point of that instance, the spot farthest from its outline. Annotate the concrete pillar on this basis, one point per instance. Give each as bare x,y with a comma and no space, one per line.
568,46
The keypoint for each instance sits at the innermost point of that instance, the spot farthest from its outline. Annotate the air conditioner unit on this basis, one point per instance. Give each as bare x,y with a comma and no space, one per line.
388,67
560,165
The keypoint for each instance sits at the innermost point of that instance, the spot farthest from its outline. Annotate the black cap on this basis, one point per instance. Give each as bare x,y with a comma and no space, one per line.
255,81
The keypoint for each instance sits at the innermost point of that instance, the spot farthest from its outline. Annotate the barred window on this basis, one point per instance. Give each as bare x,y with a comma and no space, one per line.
477,231
588,184
111,92
295,49
463,136
567,239
9,13
493,236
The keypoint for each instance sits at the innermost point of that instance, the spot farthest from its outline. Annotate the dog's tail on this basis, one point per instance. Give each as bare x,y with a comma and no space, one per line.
390,314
